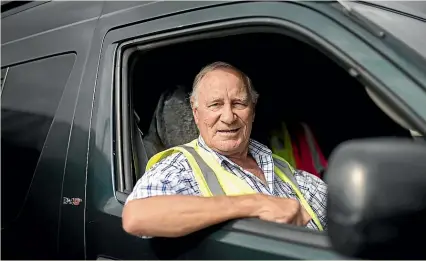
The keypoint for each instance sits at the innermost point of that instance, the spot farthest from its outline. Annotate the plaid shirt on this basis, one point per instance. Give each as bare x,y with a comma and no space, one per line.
173,175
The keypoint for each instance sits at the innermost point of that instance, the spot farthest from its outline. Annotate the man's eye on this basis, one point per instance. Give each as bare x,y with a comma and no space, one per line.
214,105
240,104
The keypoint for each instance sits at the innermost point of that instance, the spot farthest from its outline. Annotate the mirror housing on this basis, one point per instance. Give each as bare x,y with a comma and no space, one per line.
376,205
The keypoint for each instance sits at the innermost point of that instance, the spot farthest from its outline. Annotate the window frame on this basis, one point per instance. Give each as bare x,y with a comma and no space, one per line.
373,12
123,103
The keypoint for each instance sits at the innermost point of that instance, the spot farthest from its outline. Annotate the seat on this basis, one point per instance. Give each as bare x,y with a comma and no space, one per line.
172,124
140,156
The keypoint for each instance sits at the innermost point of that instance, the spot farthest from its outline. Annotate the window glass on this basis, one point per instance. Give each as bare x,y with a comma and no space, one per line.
29,101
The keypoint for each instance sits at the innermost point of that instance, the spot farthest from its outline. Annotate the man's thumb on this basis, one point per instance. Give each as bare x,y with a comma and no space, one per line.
306,216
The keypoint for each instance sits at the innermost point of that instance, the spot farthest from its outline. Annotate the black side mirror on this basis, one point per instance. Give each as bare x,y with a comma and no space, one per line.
377,199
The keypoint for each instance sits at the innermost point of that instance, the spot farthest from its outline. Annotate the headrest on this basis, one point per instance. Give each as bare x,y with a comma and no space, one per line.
173,123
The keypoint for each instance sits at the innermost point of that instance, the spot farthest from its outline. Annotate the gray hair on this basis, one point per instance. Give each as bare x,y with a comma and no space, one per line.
222,65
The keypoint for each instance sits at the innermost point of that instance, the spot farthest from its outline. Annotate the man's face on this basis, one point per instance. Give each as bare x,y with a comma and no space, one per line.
225,111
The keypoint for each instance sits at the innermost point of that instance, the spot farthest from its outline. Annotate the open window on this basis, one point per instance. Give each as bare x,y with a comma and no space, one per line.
296,83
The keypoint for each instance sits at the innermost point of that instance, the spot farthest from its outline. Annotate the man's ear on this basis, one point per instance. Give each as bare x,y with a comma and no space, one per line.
194,111
254,110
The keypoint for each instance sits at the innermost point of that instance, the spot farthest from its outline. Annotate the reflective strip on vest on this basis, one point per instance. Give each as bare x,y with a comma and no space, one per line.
207,172
214,180
314,153
204,189
281,144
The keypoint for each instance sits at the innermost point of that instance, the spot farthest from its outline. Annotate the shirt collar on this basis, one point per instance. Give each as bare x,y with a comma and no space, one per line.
261,154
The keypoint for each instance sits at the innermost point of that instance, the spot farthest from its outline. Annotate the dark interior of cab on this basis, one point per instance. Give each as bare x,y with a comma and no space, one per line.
295,81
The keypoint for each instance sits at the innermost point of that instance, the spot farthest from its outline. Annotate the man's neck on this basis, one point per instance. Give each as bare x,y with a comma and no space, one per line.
239,156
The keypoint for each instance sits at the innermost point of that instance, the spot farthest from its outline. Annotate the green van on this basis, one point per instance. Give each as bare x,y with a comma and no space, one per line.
80,81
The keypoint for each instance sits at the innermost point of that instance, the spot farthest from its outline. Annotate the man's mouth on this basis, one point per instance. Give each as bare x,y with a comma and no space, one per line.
229,130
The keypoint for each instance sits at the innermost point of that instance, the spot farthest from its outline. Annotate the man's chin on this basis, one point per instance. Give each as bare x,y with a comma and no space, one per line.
228,146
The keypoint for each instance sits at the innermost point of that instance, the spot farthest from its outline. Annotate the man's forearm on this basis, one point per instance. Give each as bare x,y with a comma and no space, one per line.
174,216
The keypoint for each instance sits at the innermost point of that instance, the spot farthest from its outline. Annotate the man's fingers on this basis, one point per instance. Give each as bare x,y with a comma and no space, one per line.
282,220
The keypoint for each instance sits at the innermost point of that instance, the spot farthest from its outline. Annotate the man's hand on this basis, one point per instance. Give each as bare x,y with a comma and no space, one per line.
281,210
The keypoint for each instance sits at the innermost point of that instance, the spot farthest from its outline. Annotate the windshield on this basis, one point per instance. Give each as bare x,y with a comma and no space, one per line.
412,31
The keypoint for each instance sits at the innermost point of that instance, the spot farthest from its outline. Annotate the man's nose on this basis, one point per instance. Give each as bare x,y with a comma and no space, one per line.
227,115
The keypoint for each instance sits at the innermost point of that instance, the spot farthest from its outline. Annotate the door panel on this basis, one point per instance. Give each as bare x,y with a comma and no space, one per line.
256,239
33,155
239,245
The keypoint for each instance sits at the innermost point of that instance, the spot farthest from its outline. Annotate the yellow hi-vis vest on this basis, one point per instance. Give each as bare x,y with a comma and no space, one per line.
214,180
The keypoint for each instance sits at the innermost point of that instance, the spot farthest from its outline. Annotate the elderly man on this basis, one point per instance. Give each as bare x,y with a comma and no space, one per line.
174,197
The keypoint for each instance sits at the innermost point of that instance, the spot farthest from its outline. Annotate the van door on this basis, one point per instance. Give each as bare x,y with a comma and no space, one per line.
107,187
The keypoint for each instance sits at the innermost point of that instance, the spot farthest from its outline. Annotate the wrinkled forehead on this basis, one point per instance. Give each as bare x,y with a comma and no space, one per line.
222,82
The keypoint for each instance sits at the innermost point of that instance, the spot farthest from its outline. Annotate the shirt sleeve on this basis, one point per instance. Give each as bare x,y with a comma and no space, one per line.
167,177
315,192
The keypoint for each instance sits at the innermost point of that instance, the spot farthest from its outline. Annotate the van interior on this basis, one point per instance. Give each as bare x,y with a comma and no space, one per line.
295,81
